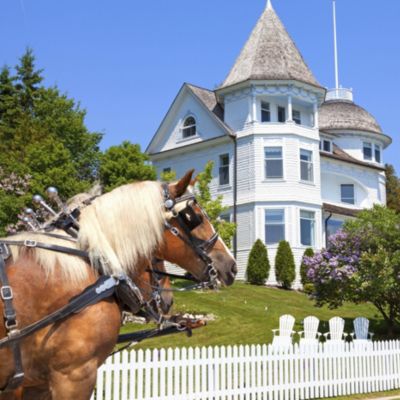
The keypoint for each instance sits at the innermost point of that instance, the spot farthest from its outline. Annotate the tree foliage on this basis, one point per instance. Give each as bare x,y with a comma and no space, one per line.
43,136
123,164
213,208
285,267
168,176
309,252
258,264
361,264
392,189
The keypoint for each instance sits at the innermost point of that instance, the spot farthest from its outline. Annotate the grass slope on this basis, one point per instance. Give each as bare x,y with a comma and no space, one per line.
245,314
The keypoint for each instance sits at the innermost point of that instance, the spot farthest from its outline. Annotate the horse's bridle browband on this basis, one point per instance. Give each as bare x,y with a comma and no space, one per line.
200,247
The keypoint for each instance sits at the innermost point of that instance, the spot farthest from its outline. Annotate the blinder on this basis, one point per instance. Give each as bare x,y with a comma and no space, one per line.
190,218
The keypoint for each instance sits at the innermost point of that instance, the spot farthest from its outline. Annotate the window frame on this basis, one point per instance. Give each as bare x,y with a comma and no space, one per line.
322,143
266,110
283,224
296,119
342,198
279,109
368,145
308,163
378,148
189,128
281,158
312,226
223,166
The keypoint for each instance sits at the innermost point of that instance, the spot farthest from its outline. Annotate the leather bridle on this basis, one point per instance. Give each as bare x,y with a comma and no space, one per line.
187,220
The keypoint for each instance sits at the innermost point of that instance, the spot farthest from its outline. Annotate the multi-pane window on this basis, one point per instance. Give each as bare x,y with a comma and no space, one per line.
347,193
281,114
273,162
377,153
367,151
224,169
325,145
189,127
307,228
296,116
265,112
274,226
306,165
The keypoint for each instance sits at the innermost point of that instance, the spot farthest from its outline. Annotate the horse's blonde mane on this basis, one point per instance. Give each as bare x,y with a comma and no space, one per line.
123,226
73,269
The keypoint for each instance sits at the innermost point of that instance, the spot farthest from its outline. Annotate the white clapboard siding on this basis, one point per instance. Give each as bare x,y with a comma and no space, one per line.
244,372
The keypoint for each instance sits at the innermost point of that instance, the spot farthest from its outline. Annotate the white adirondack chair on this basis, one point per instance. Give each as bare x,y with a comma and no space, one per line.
283,340
310,336
360,334
336,334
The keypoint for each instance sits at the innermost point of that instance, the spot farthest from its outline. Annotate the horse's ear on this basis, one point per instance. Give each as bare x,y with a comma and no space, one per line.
180,187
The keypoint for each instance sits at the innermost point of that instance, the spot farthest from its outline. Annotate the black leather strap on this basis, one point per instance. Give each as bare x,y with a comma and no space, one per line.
10,322
52,247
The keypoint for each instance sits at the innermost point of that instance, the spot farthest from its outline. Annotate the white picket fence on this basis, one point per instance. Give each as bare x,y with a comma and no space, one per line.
249,372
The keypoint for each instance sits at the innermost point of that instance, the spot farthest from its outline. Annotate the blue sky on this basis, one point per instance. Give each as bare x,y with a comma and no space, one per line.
125,60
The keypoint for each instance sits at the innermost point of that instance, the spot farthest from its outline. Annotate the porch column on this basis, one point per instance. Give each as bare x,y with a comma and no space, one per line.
315,109
289,109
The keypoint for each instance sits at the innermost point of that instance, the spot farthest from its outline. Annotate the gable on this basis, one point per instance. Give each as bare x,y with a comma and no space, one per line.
186,104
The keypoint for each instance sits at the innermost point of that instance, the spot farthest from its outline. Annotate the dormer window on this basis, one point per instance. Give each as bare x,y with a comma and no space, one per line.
189,127
367,151
265,112
325,145
296,117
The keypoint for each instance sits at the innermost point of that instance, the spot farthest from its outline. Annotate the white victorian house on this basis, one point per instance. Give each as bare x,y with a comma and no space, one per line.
291,159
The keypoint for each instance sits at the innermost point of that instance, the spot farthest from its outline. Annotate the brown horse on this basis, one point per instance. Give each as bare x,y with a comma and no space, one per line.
121,231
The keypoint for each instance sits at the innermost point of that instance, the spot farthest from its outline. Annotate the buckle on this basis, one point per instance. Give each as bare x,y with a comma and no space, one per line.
30,243
174,231
6,292
10,326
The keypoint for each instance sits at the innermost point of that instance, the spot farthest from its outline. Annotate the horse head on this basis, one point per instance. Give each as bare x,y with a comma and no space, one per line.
190,240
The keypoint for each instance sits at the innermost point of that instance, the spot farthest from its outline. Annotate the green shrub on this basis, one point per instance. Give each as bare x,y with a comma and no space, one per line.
258,264
285,268
309,252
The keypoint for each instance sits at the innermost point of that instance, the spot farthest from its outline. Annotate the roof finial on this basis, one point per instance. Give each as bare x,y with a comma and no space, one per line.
335,46
269,5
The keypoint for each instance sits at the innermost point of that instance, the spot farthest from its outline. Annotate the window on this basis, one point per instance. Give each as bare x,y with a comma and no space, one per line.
306,166
273,162
367,151
377,153
189,127
274,226
166,170
347,193
224,169
307,227
296,117
265,112
325,145
281,114
333,226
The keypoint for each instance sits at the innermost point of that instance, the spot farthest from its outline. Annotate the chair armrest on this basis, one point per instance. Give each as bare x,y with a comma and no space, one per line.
326,334
371,334
274,331
319,334
293,333
352,334
300,333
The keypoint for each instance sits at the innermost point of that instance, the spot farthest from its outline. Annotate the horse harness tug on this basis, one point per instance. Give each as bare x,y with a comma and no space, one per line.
122,287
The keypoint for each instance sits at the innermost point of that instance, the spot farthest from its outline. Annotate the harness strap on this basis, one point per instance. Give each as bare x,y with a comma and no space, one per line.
53,247
10,321
102,289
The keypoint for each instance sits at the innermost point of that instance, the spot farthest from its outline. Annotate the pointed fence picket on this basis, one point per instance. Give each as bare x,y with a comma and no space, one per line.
249,372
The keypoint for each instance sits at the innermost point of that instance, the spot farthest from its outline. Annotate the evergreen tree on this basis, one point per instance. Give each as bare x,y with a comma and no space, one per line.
43,136
285,267
305,281
213,208
392,189
123,164
258,264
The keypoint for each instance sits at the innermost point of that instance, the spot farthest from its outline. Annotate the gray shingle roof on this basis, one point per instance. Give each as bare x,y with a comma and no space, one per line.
270,54
342,114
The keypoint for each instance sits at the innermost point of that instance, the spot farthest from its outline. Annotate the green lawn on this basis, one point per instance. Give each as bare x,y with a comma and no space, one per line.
245,314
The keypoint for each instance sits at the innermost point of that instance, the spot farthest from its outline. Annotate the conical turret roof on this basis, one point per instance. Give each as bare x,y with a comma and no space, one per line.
270,54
